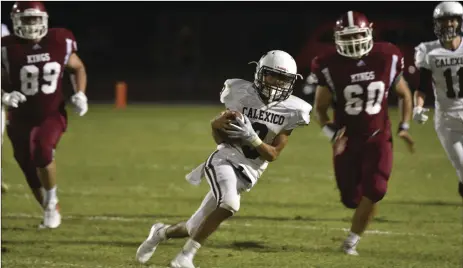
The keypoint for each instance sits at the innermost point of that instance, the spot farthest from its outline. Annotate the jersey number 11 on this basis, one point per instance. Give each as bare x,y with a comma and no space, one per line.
448,80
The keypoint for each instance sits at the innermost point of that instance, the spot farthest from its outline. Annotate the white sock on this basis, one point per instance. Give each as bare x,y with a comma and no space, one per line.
50,196
191,247
352,239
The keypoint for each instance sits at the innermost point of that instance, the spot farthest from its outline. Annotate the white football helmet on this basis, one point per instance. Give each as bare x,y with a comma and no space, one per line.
442,12
275,75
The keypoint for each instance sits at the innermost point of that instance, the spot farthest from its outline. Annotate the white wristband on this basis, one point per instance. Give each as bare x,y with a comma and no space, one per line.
329,132
256,141
404,126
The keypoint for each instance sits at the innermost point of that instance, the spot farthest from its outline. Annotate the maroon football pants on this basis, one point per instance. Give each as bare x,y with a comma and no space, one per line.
363,169
34,144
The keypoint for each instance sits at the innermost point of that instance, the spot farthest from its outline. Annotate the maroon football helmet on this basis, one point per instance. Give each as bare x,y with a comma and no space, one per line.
353,35
30,19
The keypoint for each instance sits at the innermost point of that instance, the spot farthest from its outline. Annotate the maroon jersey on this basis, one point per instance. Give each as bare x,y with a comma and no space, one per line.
36,70
360,87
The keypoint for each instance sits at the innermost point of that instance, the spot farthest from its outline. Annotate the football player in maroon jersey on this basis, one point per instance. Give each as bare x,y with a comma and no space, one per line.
355,79
33,62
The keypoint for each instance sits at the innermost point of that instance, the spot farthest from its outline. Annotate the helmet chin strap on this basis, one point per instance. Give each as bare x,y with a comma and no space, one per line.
261,95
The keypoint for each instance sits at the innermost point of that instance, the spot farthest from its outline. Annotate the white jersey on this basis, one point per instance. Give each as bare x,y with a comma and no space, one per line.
267,120
5,30
447,72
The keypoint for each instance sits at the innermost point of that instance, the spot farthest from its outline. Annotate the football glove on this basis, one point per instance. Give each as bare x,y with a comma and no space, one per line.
80,103
13,99
419,114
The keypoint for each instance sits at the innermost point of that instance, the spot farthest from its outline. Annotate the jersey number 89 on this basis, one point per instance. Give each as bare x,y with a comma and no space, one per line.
31,75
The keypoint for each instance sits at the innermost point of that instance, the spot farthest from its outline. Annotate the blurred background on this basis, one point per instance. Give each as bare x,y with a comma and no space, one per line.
121,170
183,51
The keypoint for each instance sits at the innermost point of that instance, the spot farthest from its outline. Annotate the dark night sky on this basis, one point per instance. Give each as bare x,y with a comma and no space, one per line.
194,46
83,14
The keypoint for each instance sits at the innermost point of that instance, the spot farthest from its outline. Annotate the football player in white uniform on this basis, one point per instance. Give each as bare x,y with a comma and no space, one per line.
269,115
5,32
442,62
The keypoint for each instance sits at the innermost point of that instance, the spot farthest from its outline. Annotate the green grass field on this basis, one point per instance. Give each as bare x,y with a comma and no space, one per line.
121,171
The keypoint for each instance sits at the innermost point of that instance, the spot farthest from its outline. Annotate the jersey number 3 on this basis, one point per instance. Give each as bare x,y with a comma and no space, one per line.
31,75
451,94
261,131
354,102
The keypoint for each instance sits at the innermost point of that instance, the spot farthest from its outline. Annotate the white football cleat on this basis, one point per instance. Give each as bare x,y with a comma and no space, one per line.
51,217
349,249
147,248
182,261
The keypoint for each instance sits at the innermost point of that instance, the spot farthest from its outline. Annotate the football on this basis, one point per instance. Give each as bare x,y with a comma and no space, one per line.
223,135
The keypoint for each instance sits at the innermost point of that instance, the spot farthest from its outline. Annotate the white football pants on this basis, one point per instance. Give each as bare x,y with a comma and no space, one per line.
227,184
449,128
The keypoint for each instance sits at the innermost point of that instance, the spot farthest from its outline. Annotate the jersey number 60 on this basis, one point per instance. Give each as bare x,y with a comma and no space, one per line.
354,102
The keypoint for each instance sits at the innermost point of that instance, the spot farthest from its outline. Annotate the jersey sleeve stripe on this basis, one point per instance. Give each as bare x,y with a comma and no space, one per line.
329,80
68,50
393,72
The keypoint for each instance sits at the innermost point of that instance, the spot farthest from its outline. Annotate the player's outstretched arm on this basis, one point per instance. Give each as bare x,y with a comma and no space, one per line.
13,98
402,90
79,82
79,74
242,129
271,152
405,103
419,97
323,100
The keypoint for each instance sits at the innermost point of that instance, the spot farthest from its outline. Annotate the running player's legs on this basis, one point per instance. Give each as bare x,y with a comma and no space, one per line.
449,129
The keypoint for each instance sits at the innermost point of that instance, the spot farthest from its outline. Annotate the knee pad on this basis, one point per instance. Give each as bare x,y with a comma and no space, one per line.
42,154
349,203
231,203
460,188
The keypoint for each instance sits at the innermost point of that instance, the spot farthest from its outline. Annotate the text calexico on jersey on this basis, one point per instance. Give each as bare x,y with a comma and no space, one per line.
268,120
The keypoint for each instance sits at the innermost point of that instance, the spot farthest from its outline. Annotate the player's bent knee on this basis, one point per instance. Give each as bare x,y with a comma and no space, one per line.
191,227
232,208
349,203
460,188
376,194
231,204
42,155
193,223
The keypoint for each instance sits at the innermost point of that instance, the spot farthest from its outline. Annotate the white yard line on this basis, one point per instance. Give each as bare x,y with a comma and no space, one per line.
231,223
64,264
